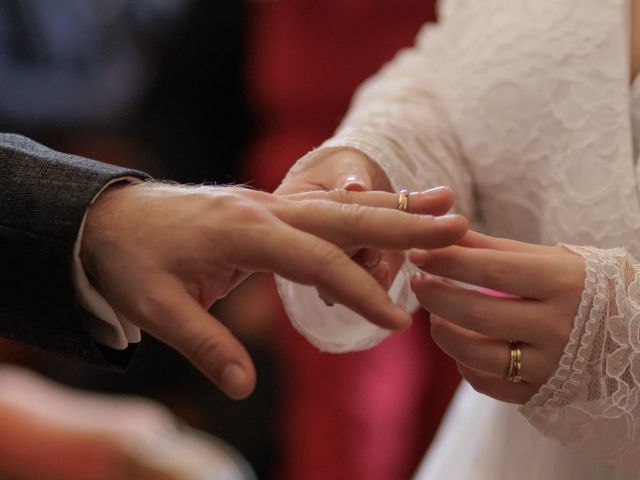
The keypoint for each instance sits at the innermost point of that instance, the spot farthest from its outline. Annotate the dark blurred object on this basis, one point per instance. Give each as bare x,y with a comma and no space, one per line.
196,114
70,63
151,84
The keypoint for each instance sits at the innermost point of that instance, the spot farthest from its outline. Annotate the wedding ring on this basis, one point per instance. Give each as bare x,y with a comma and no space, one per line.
515,363
403,201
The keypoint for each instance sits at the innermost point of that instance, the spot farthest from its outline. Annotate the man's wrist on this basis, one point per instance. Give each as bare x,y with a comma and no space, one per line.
104,207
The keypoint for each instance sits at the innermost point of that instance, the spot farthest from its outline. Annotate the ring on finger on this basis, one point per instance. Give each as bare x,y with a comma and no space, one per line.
403,200
515,363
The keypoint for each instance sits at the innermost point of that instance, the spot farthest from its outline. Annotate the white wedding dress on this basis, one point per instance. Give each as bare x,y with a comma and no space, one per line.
524,108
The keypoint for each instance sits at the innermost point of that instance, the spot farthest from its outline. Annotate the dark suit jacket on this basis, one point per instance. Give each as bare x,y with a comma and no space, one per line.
43,197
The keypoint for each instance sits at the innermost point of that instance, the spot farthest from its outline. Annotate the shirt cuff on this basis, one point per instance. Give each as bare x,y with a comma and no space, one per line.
104,326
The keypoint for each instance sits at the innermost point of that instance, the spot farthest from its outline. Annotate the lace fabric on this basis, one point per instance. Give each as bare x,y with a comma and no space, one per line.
592,400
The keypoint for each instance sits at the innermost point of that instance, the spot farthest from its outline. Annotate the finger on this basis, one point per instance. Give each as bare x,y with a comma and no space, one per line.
475,239
180,321
436,201
382,275
498,388
502,318
309,260
523,274
485,354
471,349
395,260
352,225
368,258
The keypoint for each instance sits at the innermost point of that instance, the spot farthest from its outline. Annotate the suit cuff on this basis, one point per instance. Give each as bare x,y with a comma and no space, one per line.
103,325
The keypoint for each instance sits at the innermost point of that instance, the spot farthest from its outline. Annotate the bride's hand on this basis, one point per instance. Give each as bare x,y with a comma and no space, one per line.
351,170
543,286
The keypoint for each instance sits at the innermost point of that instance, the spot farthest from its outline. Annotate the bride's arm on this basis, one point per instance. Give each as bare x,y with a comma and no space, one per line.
396,135
592,401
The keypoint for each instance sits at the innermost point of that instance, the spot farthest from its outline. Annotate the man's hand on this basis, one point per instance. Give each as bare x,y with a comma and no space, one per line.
161,255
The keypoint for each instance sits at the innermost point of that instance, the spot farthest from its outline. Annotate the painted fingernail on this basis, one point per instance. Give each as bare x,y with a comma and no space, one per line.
372,262
234,378
418,278
352,182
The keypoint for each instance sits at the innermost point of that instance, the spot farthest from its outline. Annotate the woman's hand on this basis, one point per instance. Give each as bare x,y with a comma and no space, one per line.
532,298
353,171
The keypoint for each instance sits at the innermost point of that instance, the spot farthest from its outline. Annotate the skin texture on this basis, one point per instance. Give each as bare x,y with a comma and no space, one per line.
540,290
161,255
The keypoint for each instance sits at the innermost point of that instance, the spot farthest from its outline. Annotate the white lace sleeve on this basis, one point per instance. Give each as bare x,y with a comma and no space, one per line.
592,401
398,120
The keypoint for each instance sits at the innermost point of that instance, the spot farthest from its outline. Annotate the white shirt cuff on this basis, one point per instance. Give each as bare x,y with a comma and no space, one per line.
105,327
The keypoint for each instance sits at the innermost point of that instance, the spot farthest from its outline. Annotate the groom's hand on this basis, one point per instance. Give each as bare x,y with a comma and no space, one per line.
161,255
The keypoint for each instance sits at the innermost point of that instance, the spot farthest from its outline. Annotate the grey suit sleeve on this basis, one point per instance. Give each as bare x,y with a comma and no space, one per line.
43,197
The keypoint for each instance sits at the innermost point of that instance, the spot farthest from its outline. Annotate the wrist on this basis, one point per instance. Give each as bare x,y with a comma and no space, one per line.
100,214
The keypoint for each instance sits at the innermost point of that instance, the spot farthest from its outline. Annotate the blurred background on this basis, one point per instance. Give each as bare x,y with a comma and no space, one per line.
217,91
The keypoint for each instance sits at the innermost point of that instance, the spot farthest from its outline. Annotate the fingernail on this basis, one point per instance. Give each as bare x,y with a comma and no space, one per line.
434,191
372,262
352,181
383,275
233,378
417,279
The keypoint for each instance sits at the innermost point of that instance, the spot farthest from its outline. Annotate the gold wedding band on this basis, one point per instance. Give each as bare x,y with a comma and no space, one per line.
403,201
515,363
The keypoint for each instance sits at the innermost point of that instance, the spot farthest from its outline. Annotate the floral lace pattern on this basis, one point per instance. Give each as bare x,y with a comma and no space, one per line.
524,109
597,385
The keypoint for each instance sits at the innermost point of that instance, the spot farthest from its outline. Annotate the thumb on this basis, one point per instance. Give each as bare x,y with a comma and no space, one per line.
185,325
354,177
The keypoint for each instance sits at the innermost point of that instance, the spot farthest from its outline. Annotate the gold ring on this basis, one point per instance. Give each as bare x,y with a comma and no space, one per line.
403,201
515,363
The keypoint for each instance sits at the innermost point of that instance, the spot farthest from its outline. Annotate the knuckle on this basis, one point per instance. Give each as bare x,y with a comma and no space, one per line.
328,254
353,214
341,195
205,349
152,304
242,210
353,217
